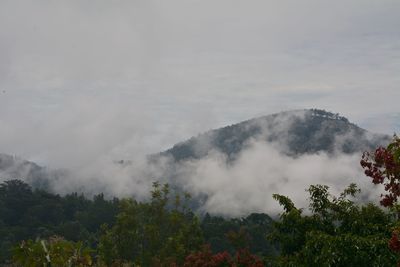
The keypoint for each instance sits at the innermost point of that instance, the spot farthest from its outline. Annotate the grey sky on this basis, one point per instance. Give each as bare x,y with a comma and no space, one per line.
86,79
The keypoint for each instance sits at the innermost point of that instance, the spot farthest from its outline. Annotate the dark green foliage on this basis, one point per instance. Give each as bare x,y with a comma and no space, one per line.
230,234
164,232
347,249
30,214
336,233
151,233
163,229
16,198
52,252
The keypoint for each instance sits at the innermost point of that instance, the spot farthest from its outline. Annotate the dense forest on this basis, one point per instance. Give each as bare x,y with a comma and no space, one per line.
38,228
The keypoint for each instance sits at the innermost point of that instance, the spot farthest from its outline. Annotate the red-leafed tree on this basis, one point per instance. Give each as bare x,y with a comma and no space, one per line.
205,258
383,166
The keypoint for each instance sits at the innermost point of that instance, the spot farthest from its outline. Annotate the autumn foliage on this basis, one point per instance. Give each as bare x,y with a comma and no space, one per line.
383,166
336,230
205,258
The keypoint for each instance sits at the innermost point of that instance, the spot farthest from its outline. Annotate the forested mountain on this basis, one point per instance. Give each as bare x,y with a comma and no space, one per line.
158,228
41,228
12,167
292,132
295,132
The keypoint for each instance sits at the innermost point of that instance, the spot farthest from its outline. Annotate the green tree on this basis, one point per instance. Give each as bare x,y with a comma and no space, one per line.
162,231
230,234
32,214
337,232
52,252
16,197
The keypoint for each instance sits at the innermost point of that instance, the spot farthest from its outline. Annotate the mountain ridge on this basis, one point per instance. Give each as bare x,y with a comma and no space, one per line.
309,131
295,132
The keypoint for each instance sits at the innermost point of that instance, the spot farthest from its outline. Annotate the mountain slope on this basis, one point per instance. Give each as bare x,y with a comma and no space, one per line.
294,132
12,167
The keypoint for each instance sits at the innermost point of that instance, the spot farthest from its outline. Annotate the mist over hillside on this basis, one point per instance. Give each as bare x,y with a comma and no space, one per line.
232,170
13,167
237,168
293,133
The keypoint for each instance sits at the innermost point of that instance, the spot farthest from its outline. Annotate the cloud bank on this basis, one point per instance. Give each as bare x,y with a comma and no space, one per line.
138,76
262,170
83,83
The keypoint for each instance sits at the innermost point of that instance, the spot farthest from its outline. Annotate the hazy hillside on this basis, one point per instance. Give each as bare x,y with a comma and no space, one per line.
291,133
12,167
295,132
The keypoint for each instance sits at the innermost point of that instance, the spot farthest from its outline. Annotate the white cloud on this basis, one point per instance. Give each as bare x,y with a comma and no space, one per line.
84,81
262,170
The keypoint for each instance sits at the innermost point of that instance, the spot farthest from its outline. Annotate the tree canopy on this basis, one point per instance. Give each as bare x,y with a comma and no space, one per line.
38,228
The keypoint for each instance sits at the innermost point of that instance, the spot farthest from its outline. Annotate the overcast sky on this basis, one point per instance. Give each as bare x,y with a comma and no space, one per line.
83,79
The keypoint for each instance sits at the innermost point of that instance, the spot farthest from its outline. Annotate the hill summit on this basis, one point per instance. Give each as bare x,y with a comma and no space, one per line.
294,132
291,133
